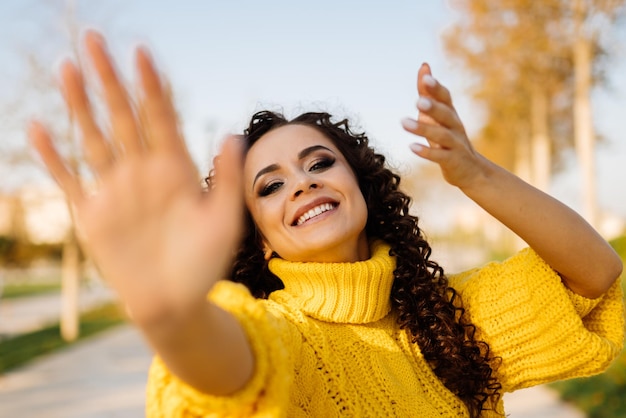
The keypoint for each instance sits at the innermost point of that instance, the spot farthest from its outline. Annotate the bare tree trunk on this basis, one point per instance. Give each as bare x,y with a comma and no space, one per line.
71,271
70,286
18,222
584,134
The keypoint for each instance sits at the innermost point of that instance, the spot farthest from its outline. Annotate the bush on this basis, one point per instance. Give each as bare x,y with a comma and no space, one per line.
7,248
17,253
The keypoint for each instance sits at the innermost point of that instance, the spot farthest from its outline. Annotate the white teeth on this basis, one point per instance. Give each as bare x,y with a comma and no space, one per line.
318,210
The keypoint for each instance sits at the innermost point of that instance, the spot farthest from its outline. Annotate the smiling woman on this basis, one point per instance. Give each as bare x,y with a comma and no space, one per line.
323,299
308,205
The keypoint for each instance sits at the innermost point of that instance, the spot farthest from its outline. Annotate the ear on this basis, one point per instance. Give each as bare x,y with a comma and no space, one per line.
267,251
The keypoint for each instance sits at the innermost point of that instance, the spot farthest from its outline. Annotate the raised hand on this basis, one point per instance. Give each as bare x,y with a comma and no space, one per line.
439,123
585,261
156,237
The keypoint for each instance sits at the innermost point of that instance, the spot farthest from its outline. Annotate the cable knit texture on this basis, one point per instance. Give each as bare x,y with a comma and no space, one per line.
328,345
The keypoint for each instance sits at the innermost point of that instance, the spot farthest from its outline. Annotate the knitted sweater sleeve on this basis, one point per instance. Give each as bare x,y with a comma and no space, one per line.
541,330
263,396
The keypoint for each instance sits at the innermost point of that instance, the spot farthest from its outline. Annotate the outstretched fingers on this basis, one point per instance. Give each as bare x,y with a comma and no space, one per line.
428,86
125,129
229,173
96,150
65,178
438,121
424,94
438,136
157,112
228,190
436,155
435,102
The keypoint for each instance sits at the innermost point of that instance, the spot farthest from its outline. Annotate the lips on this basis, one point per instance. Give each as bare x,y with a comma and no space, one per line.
312,210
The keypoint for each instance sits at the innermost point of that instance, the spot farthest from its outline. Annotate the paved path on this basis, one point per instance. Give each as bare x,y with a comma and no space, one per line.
104,376
538,402
19,315
101,377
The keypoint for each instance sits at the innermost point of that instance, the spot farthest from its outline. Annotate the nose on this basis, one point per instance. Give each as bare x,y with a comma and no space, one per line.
305,185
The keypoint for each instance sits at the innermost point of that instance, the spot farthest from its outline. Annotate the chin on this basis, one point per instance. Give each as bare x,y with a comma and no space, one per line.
333,252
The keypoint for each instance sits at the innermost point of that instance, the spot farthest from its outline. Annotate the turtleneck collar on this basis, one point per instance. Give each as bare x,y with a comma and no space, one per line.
354,293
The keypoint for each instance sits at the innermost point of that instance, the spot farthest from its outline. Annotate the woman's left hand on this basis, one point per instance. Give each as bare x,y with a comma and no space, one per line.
585,261
439,123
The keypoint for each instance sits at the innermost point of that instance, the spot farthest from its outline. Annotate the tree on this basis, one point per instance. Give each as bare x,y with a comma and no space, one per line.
40,94
518,66
525,59
589,19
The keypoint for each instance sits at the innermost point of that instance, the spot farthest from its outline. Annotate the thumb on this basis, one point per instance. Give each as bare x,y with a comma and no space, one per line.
228,190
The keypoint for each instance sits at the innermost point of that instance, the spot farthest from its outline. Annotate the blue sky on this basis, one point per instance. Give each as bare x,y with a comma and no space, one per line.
352,58
228,58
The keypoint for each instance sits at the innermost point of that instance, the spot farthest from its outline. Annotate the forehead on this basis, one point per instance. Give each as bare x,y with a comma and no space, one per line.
284,142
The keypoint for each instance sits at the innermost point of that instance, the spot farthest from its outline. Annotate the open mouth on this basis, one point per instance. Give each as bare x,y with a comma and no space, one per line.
316,211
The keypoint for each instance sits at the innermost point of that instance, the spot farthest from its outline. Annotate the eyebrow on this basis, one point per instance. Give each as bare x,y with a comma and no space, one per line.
302,154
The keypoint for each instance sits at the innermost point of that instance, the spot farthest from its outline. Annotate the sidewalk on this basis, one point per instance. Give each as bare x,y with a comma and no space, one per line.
101,377
31,313
538,402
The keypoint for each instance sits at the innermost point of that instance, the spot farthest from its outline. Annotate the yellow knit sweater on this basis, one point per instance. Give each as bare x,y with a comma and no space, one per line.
328,344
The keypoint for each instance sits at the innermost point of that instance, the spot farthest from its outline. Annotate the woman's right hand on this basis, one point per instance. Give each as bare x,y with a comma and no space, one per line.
155,236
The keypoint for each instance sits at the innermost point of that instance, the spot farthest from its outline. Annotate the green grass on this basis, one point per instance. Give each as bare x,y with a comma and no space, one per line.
19,350
604,395
619,244
12,291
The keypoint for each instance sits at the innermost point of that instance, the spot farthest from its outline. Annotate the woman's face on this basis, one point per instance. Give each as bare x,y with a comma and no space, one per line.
304,197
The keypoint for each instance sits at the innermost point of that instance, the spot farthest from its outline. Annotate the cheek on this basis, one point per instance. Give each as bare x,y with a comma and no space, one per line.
364,212
266,215
361,205
254,210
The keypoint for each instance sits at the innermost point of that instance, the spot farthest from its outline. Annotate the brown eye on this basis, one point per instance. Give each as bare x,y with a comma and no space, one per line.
270,188
322,164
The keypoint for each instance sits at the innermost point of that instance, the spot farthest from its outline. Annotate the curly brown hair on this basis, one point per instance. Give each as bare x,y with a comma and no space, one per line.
427,307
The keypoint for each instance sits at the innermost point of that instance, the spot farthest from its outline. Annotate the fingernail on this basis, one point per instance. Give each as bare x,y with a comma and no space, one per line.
33,127
409,124
142,49
424,104
68,67
429,80
416,148
95,36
